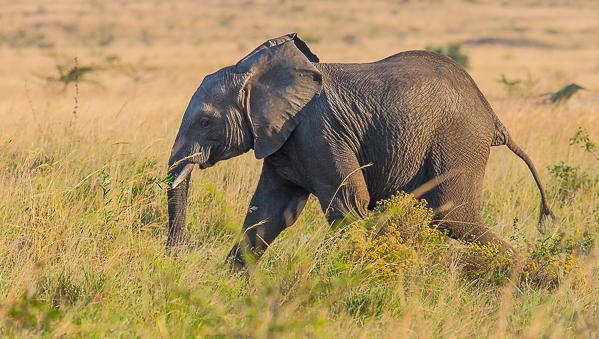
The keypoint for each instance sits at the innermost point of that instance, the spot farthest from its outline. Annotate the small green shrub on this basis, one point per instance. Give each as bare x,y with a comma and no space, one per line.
554,256
515,87
582,137
568,180
311,40
452,50
71,74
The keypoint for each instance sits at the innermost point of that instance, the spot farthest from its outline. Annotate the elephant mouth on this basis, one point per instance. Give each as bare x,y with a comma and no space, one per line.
186,171
201,159
205,165
182,175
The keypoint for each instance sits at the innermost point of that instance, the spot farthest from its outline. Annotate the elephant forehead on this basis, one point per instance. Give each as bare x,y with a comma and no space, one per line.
210,92
214,93
205,103
210,82
213,84
202,100
197,104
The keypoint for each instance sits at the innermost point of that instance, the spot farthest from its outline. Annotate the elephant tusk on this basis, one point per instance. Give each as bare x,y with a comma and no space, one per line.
182,175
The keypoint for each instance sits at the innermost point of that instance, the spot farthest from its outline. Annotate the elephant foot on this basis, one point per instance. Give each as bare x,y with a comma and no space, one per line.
239,259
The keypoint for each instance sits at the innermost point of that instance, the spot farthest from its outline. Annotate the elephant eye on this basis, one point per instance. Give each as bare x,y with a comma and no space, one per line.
204,122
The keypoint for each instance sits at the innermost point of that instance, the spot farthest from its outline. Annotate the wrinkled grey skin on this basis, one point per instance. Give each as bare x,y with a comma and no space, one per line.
351,134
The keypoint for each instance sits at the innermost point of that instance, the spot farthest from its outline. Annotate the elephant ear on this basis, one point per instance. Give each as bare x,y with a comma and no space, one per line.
281,81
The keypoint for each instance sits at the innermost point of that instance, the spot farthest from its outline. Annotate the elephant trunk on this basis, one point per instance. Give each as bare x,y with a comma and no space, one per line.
177,206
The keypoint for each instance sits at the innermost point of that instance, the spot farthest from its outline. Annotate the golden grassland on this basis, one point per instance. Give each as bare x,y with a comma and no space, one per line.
83,203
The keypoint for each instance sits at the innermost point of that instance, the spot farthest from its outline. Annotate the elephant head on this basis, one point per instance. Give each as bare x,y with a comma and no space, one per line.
255,104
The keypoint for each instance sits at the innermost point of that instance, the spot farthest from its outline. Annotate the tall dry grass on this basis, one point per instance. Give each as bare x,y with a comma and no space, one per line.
83,205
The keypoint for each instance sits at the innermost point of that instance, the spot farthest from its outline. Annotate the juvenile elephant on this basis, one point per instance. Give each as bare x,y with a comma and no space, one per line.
351,134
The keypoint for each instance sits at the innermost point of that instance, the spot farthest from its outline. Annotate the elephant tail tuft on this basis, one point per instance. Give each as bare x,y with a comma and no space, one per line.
545,210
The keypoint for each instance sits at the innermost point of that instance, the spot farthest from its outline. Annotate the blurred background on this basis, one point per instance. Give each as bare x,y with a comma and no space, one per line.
140,61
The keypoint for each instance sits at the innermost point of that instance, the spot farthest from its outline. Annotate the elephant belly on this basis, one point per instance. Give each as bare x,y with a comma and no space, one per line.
402,171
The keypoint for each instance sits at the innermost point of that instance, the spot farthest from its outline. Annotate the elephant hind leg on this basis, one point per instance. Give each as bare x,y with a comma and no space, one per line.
462,222
482,244
457,204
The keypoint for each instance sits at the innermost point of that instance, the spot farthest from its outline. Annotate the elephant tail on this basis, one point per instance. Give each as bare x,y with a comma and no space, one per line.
545,211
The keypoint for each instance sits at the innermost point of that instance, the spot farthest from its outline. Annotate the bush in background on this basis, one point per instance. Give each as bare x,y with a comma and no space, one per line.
452,50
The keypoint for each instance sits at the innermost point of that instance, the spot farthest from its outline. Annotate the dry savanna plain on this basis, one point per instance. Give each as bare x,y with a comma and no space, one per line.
83,159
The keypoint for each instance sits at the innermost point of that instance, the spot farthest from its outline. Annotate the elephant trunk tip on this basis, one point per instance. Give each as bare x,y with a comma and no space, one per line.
182,175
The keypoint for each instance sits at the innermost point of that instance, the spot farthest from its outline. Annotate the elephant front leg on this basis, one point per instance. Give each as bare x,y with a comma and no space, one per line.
274,207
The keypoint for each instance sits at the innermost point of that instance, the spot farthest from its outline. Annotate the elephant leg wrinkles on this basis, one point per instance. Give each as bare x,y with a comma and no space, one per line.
274,207
343,193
